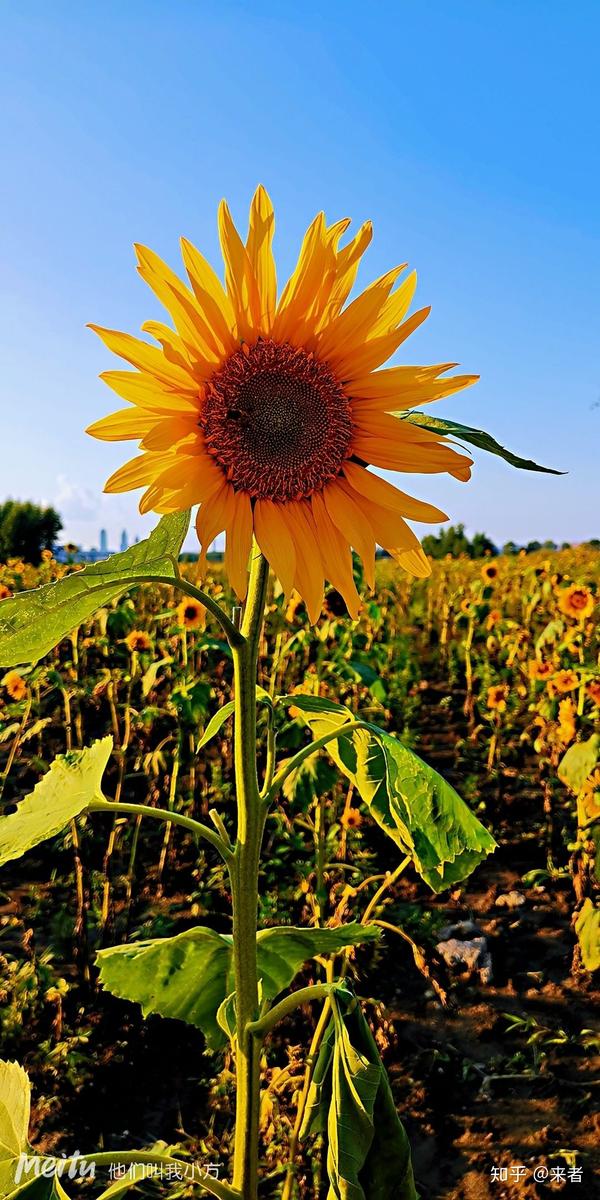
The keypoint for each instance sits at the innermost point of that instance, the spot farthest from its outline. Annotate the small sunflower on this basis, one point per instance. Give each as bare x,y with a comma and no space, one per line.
47,556
15,685
563,681
497,697
351,818
538,668
489,573
593,691
138,640
576,601
5,592
191,614
567,727
268,412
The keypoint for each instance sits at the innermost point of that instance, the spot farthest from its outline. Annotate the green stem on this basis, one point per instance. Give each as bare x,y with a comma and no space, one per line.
244,880
306,752
163,814
264,1025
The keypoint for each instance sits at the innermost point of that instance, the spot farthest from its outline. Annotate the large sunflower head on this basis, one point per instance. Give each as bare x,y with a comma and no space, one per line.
267,413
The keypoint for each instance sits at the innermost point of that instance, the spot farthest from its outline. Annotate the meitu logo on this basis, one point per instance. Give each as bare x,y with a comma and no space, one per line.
74,1167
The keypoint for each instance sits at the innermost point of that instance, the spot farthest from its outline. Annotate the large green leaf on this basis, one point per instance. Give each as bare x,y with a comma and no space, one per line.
15,1093
189,976
31,623
587,928
350,1101
422,813
71,784
475,437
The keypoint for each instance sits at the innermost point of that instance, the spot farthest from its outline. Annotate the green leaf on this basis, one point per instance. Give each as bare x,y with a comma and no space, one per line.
476,437
587,928
190,976
15,1103
150,677
368,1155
71,784
578,763
422,813
215,723
31,623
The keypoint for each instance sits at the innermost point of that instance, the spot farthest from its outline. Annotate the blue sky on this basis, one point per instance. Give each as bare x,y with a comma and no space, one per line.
468,132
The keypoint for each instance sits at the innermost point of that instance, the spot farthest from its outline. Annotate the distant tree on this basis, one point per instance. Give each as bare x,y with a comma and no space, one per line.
566,545
510,548
453,541
549,545
481,545
532,546
26,530
593,543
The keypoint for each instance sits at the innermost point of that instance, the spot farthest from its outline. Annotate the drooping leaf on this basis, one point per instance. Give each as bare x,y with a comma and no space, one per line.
31,623
577,764
411,802
71,784
189,976
475,437
215,722
350,1101
587,928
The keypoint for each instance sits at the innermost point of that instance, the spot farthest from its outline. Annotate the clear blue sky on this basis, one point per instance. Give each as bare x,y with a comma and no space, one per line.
468,132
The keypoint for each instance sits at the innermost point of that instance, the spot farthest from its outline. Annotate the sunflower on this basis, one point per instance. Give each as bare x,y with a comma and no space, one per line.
351,818
267,413
563,681
15,685
497,696
576,601
191,614
593,691
138,640
538,668
489,573
567,727
5,592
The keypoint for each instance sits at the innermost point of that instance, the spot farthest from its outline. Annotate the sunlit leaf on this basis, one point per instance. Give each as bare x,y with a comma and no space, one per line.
31,623
418,809
587,928
189,976
71,784
578,763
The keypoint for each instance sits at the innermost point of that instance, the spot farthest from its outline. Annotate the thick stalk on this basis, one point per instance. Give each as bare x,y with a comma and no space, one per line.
244,876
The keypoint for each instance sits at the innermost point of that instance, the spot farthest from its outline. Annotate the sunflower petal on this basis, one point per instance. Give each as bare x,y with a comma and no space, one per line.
260,253
365,485
239,276
238,544
336,555
145,357
127,424
309,574
273,537
350,518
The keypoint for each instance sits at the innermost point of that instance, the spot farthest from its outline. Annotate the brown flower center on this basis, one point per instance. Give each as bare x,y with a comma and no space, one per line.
276,421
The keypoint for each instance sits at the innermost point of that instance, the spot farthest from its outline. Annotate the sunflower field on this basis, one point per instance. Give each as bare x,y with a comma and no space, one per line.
490,672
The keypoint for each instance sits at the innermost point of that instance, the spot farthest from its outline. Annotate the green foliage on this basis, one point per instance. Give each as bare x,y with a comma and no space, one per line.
422,813
579,762
350,1102
26,530
189,976
587,928
31,623
476,437
71,784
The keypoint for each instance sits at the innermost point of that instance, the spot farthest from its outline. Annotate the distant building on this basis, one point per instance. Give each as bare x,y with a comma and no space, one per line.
103,542
124,541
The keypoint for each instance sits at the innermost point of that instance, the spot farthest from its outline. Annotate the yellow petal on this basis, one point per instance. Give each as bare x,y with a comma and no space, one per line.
366,485
128,423
212,299
260,253
238,544
191,326
373,353
273,537
145,357
335,552
395,308
145,391
347,264
239,277
350,518
214,515
355,323
137,472
309,574
169,432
